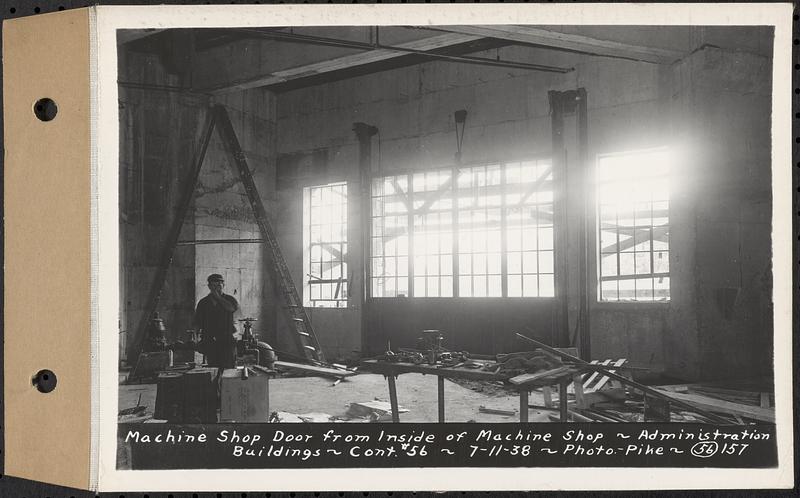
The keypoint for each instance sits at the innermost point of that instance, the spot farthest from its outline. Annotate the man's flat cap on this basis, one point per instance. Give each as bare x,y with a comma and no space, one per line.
215,277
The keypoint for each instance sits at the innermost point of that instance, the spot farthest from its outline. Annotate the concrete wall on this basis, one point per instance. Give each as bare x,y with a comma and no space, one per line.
711,108
509,118
223,210
627,106
730,93
160,136
413,108
159,133
338,330
632,105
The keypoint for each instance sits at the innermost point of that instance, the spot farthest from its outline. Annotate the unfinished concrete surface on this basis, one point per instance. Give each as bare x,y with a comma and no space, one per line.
631,106
711,104
415,392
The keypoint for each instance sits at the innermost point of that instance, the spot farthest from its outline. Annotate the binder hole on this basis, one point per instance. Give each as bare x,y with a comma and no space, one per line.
45,109
45,381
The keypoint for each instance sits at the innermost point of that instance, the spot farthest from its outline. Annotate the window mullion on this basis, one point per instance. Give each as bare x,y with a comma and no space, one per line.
455,196
410,221
652,262
503,255
619,259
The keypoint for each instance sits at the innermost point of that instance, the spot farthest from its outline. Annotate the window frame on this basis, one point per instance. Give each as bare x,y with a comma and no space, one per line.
545,159
598,237
343,301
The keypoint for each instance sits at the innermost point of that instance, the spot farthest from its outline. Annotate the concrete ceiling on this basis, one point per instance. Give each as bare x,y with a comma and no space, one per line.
227,60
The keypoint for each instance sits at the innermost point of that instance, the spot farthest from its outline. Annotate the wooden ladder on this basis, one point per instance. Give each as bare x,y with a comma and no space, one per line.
296,313
297,316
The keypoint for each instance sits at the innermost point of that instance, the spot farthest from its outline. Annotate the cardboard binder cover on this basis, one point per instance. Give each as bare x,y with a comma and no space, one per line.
47,296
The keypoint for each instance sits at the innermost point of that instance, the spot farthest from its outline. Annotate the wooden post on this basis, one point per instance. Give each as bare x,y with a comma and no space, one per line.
440,381
587,194
547,394
562,399
523,405
560,332
393,399
644,407
577,384
266,395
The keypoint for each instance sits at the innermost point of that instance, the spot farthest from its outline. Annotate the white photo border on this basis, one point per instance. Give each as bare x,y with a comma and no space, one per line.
106,299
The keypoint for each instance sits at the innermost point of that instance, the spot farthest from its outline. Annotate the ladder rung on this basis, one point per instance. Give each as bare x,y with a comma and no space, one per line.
292,300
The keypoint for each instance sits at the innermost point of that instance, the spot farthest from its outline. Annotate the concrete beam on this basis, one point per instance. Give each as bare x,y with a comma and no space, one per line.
344,62
565,41
128,35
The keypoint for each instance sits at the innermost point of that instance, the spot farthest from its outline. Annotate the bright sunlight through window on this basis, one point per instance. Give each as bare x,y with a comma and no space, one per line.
325,243
633,217
478,231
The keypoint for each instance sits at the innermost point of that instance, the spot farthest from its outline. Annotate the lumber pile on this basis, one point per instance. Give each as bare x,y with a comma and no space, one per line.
663,402
734,403
754,398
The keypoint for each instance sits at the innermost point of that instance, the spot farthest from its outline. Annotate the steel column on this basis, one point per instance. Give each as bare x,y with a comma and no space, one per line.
365,132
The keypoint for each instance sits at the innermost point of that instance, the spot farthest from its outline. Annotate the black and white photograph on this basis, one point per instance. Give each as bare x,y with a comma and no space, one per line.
495,230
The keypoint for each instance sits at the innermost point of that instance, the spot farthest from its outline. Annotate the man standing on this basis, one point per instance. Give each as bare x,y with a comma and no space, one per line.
214,317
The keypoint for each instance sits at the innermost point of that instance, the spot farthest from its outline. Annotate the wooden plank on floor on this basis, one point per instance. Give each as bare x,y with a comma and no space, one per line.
329,372
719,406
675,388
747,400
533,377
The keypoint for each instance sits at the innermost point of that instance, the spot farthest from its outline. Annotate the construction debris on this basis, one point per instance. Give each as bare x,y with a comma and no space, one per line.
496,411
303,418
745,397
137,410
596,391
376,411
727,407
315,417
284,417
134,414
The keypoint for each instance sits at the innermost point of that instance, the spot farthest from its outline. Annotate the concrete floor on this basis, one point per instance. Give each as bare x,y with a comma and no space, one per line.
415,392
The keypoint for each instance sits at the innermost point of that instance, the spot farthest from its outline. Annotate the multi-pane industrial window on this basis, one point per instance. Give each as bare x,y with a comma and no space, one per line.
480,205
325,237
432,233
478,231
633,216
390,236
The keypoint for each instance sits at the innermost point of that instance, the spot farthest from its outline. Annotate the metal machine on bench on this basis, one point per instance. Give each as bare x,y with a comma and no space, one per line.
249,350
159,354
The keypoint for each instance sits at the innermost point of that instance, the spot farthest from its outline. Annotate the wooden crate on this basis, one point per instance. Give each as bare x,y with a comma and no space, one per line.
200,396
244,400
169,397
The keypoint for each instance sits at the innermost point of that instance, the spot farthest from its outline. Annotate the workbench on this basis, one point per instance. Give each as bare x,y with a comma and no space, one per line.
391,370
